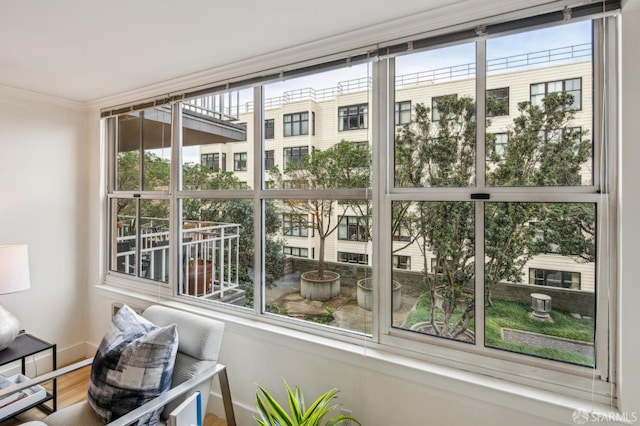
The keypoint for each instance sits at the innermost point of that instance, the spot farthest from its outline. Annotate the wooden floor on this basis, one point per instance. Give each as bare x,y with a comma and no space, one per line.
72,388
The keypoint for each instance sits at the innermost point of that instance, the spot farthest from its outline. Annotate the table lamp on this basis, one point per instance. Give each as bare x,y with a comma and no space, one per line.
14,276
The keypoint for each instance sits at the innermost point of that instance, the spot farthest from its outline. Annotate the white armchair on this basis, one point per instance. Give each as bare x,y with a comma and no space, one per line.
196,364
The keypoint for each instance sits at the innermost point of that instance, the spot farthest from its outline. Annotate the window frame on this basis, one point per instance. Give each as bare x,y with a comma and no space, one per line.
348,113
399,341
240,161
546,91
289,121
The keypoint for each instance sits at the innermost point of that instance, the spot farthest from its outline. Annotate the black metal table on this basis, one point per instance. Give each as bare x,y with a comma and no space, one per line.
23,346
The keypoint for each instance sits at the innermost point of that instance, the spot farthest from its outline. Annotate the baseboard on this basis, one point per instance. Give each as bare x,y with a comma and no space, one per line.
245,415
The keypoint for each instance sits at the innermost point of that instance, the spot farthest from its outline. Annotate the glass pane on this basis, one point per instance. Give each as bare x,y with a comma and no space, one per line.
217,142
540,279
156,143
548,73
217,250
154,238
124,235
128,152
437,238
149,130
308,107
436,147
312,272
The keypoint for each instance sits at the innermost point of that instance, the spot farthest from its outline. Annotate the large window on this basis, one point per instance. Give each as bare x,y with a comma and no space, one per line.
353,117
450,250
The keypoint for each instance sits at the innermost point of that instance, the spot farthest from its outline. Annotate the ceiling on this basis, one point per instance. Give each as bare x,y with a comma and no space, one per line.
85,50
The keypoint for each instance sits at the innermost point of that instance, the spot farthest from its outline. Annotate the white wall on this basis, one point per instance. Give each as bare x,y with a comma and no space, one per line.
43,189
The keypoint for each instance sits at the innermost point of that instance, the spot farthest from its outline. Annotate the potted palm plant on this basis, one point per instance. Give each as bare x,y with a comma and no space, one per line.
273,414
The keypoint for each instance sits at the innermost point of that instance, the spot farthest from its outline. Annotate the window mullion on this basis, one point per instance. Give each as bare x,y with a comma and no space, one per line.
175,206
382,114
259,300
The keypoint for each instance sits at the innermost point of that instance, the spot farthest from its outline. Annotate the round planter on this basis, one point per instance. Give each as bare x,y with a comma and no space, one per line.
461,303
313,288
365,297
425,327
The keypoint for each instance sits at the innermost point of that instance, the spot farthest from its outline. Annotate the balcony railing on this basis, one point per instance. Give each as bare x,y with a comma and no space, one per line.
210,256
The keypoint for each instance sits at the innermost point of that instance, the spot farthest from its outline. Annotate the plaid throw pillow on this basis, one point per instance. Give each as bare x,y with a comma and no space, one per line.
133,364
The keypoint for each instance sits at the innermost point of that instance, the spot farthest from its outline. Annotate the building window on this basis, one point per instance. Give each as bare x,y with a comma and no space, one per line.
496,148
240,161
295,225
572,86
498,102
552,278
269,128
269,159
296,124
352,228
294,154
353,117
401,262
359,258
403,112
295,251
212,160
436,113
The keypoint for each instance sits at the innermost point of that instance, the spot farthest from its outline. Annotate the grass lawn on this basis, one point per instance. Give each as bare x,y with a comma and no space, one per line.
515,316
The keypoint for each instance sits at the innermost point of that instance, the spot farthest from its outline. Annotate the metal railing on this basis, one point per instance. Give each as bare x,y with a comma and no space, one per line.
210,256
438,75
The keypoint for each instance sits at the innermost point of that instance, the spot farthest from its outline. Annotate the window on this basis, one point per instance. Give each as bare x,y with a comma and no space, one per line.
562,279
442,105
295,251
496,144
352,228
295,154
296,124
468,243
497,102
269,159
212,160
295,225
401,262
353,117
269,128
403,112
240,161
572,86
362,259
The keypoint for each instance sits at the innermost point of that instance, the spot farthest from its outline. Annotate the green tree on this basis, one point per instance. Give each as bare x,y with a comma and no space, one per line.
542,150
344,165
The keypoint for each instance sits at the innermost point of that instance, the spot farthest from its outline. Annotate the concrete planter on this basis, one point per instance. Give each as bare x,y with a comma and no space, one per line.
325,289
425,327
365,297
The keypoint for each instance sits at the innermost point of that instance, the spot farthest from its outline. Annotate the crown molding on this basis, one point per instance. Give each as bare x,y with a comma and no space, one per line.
14,93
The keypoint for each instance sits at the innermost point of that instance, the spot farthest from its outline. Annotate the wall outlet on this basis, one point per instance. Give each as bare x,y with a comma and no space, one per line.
346,412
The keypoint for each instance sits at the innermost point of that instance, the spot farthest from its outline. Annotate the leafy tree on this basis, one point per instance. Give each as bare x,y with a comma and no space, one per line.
344,165
542,149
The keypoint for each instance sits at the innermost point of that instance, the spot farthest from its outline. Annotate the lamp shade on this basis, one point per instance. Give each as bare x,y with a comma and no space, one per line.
14,268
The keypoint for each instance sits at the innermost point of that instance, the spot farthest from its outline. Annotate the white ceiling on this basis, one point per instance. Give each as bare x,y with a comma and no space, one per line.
84,50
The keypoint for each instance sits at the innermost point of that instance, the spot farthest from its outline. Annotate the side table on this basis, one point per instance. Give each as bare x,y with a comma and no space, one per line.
22,347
